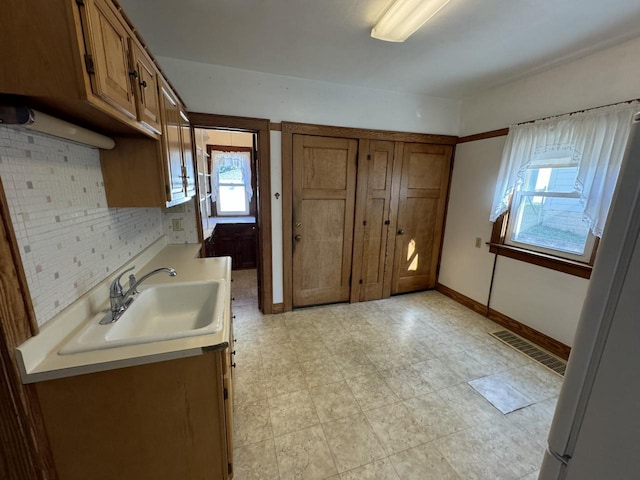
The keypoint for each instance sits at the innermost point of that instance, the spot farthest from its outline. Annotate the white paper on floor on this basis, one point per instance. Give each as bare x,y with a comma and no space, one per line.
500,394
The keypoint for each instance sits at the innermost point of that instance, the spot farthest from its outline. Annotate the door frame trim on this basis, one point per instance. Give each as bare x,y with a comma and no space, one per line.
288,129
261,127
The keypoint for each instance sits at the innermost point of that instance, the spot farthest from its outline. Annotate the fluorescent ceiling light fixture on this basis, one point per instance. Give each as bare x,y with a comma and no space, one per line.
43,123
404,17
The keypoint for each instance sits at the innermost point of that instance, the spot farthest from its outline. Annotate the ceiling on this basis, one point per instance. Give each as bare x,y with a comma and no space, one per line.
468,47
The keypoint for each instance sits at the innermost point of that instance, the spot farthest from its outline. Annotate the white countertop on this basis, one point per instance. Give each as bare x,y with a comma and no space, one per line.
39,358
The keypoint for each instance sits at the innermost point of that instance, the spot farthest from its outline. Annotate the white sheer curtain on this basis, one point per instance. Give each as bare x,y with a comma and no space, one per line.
594,141
241,160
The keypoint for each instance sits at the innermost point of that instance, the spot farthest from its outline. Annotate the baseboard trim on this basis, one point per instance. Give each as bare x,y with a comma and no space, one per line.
462,299
531,334
277,308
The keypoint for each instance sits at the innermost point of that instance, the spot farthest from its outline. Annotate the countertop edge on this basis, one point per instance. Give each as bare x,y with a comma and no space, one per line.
38,357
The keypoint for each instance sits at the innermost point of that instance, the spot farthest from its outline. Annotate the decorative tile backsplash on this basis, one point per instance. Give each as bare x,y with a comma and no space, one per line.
180,223
69,240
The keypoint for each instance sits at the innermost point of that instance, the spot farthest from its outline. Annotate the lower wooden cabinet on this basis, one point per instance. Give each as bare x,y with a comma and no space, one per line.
235,240
166,420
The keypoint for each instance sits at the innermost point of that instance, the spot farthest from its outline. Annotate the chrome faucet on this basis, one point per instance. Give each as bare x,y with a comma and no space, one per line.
121,300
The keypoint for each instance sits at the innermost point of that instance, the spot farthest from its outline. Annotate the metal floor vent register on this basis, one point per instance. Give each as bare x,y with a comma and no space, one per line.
530,350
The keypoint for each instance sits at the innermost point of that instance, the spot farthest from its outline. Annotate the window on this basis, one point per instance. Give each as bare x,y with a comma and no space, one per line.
547,216
231,177
232,198
555,185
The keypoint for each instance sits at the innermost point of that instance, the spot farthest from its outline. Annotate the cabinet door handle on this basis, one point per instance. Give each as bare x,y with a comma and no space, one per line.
297,238
133,73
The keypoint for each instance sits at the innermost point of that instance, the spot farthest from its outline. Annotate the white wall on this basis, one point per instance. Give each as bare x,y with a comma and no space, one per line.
69,239
544,299
609,76
463,267
231,91
229,138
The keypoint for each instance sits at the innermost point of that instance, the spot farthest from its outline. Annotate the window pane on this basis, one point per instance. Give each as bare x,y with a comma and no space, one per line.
232,199
551,222
230,175
550,179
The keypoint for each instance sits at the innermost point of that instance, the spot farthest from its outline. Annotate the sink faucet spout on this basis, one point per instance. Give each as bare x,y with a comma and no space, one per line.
120,300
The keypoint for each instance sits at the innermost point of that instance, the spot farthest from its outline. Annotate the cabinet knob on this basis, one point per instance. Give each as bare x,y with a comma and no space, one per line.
233,316
401,232
235,340
233,353
143,84
233,364
133,73
297,238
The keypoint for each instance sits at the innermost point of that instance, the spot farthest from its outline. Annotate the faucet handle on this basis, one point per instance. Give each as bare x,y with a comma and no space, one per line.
116,287
132,284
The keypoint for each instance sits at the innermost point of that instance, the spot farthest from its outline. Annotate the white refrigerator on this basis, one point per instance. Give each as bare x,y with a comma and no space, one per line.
595,433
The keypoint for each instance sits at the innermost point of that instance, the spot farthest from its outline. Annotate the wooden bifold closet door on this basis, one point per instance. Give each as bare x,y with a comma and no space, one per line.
367,218
420,190
324,186
373,221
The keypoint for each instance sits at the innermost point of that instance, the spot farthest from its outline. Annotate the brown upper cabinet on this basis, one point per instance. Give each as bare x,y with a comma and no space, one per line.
108,57
82,61
146,88
79,59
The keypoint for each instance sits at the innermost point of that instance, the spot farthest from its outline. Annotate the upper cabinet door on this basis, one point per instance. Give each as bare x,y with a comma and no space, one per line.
424,179
187,155
172,144
108,41
146,88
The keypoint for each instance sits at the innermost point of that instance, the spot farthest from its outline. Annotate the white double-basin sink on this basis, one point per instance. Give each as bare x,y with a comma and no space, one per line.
157,313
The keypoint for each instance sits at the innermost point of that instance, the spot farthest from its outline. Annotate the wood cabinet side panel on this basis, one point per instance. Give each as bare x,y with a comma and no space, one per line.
133,173
44,59
163,421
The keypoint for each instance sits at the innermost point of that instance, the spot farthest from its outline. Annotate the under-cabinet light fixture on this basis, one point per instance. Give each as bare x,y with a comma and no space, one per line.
43,123
404,17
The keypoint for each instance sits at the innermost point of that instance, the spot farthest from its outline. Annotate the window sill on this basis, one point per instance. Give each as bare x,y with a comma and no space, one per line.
548,261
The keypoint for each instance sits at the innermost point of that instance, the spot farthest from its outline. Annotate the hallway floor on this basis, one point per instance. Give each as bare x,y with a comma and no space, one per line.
378,390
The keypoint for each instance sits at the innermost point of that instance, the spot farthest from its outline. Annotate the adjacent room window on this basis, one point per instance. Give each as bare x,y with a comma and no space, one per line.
555,185
231,177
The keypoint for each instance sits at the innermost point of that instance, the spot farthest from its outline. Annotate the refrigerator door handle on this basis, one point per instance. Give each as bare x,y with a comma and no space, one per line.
561,458
554,466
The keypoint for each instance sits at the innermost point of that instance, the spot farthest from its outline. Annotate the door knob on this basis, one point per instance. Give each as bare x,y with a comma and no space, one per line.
297,238
401,232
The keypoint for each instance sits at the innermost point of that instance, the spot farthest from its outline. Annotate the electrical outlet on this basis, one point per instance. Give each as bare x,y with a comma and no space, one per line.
177,224
478,242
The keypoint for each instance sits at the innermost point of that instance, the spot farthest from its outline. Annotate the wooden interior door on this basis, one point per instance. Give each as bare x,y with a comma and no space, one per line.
375,172
421,200
324,186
